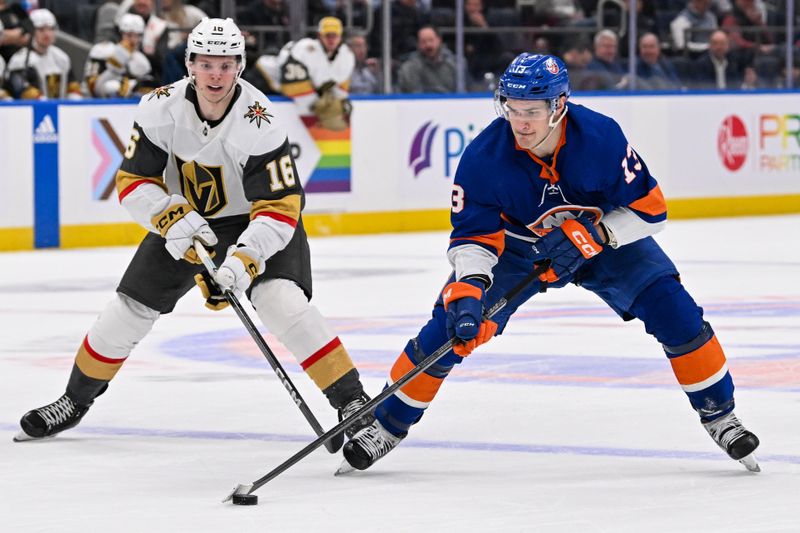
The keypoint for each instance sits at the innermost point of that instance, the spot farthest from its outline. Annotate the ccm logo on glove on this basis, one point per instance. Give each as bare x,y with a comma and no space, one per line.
167,218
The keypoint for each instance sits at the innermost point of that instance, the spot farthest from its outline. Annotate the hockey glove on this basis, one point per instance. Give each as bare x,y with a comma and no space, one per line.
463,302
215,300
567,247
331,111
239,270
180,224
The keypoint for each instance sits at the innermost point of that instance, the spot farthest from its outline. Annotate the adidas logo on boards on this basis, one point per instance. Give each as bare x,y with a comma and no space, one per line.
45,132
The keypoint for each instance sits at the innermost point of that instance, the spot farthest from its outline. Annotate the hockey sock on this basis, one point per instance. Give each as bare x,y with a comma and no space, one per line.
121,325
298,325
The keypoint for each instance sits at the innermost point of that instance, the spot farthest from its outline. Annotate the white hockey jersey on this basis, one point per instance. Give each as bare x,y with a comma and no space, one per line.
112,70
302,69
240,164
47,75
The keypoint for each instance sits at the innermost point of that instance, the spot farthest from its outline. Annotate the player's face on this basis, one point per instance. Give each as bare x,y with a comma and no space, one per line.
132,39
330,41
45,36
214,76
529,120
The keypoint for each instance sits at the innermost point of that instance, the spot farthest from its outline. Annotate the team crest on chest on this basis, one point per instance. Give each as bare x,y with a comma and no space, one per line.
159,92
552,218
202,185
256,113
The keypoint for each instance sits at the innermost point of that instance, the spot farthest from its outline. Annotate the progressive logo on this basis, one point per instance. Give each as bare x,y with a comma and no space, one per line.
732,143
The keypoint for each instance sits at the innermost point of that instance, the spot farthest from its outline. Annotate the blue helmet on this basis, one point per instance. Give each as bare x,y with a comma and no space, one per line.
534,77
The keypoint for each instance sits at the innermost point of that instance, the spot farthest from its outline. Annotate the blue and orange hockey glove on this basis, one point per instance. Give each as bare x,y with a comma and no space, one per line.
567,247
463,302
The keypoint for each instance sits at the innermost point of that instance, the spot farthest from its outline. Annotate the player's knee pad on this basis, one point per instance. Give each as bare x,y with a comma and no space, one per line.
669,313
121,325
282,305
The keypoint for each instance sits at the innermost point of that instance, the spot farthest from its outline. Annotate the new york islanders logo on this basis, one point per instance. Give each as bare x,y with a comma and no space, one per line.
551,66
552,218
256,113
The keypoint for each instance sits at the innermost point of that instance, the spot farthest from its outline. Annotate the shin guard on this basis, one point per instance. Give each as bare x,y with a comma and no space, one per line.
284,309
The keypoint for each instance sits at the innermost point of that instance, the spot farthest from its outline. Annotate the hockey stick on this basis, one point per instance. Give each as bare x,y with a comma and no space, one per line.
332,445
429,361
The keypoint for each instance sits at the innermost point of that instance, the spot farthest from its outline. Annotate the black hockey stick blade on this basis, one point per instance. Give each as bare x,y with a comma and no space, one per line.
249,488
333,445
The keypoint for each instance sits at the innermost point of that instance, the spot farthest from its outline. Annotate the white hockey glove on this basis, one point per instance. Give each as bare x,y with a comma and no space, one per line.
239,269
180,224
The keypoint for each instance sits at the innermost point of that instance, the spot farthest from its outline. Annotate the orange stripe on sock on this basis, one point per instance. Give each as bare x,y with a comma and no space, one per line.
422,388
700,364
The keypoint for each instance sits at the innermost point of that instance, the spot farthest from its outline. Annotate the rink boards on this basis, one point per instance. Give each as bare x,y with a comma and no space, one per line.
717,154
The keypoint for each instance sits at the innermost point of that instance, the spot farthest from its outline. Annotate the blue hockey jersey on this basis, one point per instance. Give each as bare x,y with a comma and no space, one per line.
501,189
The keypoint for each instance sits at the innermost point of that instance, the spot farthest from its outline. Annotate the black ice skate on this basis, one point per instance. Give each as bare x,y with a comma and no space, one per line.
366,447
51,419
351,407
729,433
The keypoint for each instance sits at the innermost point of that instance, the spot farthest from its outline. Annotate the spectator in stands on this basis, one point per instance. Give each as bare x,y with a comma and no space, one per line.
266,13
407,19
692,28
180,20
17,29
3,94
614,16
577,55
154,39
558,12
315,73
748,42
717,68
105,21
781,81
42,70
654,71
431,69
483,51
606,67
119,70
366,77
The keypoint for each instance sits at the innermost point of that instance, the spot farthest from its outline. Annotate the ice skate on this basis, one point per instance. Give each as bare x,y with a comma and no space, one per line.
366,447
52,419
351,407
739,443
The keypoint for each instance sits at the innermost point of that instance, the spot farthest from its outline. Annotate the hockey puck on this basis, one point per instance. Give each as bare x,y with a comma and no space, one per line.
245,499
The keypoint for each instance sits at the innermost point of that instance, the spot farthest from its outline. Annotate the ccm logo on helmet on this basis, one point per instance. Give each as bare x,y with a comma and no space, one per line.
217,42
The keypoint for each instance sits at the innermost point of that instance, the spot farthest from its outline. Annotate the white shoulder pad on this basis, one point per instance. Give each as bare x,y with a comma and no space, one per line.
17,61
139,65
101,51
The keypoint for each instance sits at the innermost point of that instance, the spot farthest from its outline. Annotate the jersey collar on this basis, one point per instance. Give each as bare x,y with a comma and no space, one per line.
191,95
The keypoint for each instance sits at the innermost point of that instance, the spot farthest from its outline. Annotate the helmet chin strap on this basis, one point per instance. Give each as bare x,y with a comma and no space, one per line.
551,127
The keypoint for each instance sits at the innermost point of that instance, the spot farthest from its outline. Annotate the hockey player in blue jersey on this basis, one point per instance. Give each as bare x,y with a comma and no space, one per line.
548,180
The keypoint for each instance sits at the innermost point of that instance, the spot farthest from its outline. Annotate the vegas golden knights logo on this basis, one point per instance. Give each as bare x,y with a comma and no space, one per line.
203,186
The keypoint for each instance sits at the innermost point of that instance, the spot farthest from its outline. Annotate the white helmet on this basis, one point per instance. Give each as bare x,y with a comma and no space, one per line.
43,18
131,23
216,37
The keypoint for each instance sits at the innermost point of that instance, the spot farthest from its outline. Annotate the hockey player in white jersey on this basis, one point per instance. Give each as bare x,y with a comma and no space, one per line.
315,73
41,70
208,160
118,70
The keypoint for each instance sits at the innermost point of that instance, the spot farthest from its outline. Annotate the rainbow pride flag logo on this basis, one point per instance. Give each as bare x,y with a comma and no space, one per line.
332,173
110,149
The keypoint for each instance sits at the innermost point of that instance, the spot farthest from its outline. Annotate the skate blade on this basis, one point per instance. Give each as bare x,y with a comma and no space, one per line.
22,437
239,489
750,463
344,469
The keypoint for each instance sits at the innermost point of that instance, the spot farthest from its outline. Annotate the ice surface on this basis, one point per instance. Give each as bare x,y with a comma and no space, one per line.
571,421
